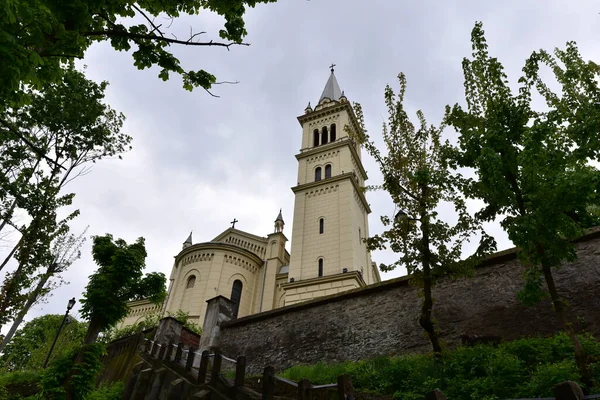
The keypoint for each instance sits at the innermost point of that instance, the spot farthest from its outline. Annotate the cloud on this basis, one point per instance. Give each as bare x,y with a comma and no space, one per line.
200,161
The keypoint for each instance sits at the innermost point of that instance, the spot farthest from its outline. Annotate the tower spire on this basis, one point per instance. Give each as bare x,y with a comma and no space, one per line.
332,89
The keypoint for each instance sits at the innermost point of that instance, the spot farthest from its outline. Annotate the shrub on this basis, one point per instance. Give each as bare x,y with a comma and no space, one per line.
113,391
523,368
53,379
548,375
18,385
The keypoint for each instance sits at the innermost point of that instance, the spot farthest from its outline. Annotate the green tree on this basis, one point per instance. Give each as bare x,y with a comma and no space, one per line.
30,345
416,175
118,280
66,250
38,37
533,167
66,126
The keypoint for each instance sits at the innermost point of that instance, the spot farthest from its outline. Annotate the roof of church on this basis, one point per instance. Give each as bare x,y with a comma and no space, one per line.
332,89
189,239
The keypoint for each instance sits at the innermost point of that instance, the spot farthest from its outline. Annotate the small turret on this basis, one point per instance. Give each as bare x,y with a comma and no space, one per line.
308,109
188,241
343,98
279,223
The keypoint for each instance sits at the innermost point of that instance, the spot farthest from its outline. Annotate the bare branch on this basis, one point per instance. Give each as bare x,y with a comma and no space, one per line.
192,36
226,82
155,28
209,92
161,39
20,135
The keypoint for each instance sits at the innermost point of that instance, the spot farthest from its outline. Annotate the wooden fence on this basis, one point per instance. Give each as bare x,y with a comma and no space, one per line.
207,376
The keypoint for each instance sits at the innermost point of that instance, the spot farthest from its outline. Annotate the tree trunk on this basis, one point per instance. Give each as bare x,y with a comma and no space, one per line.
561,313
426,320
12,252
31,299
8,214
91,335
93,331
10,290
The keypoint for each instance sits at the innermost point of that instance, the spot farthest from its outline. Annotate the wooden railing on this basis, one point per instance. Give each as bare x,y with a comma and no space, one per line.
304,388
183,360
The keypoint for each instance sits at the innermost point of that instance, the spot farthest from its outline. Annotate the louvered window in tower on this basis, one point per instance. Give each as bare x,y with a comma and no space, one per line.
332,133
318,174
328,171
315,137
236,296
324,135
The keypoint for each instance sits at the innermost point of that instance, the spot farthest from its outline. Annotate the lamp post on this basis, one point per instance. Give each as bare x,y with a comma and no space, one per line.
69,307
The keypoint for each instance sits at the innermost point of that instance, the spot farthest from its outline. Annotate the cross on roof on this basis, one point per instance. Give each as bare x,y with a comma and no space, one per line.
331,66
233,223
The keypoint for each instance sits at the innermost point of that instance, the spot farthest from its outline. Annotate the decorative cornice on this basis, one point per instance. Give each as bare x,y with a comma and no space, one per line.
218,246
325,279
316,114
344,141
337,178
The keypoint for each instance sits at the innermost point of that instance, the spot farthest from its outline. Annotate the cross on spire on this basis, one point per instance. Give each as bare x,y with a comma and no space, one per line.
233,223
331,66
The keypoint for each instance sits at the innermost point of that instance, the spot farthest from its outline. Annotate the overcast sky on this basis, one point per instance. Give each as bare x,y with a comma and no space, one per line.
199,161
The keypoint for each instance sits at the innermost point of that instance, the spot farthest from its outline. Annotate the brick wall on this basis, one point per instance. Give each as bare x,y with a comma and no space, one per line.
382,319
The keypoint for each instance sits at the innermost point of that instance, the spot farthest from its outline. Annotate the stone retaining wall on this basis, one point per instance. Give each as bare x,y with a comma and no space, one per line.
382,319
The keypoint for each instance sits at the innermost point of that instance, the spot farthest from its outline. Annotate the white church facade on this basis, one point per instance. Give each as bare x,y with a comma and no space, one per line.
328,254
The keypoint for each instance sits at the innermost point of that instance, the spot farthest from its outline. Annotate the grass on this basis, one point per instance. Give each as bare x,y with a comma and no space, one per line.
522,368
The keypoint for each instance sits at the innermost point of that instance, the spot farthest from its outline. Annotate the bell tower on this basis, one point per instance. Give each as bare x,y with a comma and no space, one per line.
328,254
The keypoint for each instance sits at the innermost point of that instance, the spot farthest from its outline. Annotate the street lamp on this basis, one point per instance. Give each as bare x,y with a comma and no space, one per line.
69,307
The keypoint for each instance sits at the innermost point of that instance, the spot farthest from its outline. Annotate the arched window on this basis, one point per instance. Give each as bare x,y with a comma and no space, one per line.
332,133
316,137
321,225
236,296
324,135
191,282
318,174
328,171
320,267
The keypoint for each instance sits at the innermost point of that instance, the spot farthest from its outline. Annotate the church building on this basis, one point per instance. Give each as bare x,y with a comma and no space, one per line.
327,255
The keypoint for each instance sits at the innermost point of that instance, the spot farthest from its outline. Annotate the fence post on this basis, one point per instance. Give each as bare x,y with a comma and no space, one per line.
155,349
178,353
203,367
568,390
162,351
304,389
268,385
240,371
216,367
190,359
169,354
435,395
344,386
